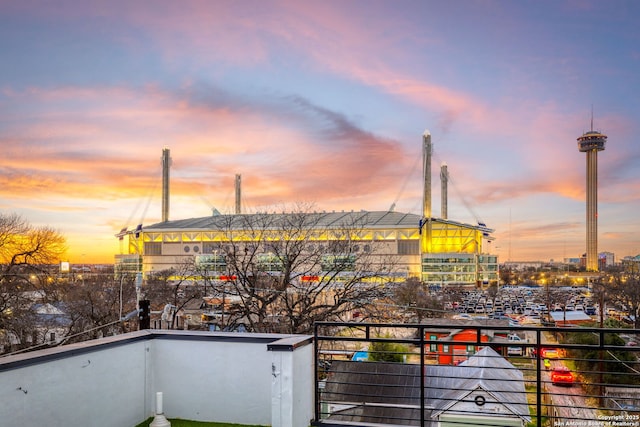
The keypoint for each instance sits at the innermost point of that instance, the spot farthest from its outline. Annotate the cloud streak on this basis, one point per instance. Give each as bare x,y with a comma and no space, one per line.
322,102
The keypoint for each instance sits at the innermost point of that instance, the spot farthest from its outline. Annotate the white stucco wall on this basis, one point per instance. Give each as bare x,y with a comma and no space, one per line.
221,381
207,376
103,388
291,385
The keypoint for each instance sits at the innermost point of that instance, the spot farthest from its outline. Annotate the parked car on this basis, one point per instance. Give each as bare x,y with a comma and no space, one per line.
462,316
550,353
561,375
515,351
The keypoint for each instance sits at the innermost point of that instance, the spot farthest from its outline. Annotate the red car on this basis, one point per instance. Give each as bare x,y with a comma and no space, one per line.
561,375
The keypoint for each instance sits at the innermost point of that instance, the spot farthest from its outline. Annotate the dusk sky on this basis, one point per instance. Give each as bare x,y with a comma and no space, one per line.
321,102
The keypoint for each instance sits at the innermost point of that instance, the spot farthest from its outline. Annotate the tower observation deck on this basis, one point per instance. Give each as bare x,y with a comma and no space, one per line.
591,142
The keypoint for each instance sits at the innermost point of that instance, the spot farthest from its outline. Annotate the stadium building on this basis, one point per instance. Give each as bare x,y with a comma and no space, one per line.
438,251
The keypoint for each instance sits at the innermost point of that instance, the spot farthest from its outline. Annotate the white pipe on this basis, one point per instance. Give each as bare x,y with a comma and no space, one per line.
159,420
159,403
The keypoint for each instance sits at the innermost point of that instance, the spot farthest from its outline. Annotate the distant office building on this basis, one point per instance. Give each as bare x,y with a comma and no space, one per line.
523,265
606,259
631,264
572,261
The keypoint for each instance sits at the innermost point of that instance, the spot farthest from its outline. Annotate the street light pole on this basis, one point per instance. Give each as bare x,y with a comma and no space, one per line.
138,288
121,296
215,267
222,315
224,288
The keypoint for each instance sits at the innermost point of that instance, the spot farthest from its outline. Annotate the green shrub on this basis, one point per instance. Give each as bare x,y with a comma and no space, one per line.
387,351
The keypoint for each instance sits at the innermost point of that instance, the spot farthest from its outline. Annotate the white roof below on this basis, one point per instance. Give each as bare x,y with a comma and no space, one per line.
571,316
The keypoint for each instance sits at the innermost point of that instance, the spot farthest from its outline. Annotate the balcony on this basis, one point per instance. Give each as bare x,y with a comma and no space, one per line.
288,380
468,374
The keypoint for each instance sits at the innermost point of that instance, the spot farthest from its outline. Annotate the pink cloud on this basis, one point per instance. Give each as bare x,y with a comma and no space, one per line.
110,152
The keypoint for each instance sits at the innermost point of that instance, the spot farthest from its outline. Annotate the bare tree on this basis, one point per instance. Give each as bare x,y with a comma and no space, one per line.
26,256
172,289
94,305
414,298
288,271
507,277
624,288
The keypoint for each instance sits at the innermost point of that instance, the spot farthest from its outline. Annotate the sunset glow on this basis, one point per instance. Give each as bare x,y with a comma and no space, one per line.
322,103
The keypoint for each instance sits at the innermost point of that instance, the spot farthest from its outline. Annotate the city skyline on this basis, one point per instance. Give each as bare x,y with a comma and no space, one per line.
322,103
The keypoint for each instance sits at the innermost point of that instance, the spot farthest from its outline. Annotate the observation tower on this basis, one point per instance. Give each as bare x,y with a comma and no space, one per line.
591,142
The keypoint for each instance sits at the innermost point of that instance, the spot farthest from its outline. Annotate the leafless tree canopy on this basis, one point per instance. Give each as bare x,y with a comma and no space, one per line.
624,289
285,271
94,304
22,244
175,288
415,299
26,256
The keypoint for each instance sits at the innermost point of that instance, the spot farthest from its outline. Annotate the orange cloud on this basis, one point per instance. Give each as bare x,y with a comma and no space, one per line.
111,154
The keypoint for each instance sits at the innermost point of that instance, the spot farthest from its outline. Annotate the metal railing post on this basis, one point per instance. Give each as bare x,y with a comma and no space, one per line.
316,379
538,380
422,373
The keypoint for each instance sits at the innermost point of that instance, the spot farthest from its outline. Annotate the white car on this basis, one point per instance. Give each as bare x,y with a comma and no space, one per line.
462,316
515,351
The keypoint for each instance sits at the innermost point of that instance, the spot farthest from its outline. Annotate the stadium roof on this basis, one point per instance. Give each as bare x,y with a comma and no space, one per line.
326,220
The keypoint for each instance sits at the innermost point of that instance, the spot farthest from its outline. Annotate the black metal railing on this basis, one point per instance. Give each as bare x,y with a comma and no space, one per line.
470,374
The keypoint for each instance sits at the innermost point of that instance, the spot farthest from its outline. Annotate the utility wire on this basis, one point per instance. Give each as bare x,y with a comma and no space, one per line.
62,340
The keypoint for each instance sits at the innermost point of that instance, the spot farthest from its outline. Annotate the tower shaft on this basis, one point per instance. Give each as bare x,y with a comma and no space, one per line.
590,143
592,210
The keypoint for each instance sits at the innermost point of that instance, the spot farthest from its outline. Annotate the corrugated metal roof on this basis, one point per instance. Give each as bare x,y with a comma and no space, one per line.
375,392
486,370
370,390
569,316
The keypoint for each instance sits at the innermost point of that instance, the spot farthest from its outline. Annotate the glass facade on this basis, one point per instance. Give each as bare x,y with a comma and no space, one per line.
338,262
269,262
128,263
439,252
459,269
211,262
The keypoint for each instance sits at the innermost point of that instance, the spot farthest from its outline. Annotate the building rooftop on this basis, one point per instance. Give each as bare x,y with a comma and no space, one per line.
392,391
325,220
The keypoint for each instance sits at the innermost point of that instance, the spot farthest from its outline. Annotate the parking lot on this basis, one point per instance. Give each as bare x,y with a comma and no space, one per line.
524,305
